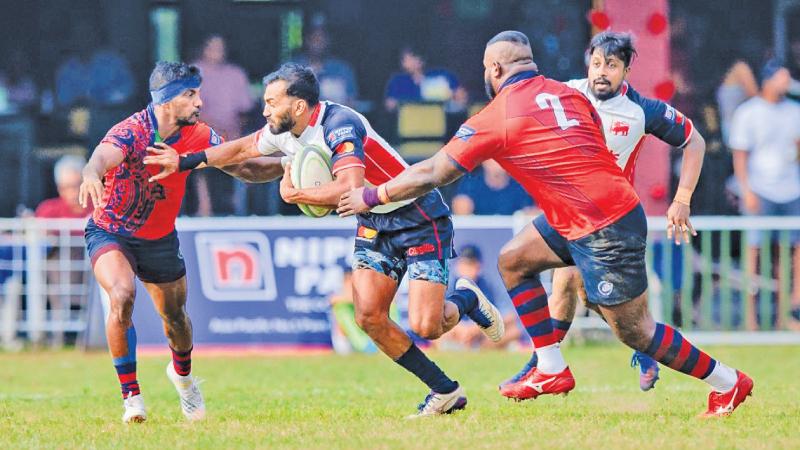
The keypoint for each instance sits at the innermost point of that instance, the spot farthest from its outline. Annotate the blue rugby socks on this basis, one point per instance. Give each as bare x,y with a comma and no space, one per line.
426,370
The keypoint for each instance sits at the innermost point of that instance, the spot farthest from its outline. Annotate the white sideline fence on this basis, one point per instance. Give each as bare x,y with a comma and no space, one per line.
45,278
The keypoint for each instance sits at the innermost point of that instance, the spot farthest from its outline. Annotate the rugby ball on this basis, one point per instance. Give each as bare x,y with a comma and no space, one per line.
311,167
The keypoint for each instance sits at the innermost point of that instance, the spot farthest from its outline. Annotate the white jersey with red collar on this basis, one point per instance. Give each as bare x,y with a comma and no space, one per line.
350,141
629,117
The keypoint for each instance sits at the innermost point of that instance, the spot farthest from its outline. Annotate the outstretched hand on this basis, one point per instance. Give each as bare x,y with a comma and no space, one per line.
165,156
351,203
91,187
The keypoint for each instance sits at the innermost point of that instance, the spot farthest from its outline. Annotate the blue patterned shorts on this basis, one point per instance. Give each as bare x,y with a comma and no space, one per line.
433,270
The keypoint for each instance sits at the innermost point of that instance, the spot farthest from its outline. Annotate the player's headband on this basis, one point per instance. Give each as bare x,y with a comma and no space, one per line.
175,88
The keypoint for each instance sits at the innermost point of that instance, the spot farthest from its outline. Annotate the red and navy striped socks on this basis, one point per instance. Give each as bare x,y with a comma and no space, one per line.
530,301
670,348
182,362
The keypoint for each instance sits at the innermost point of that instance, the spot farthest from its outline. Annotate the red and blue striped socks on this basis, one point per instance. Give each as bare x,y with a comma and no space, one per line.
182,362
670,348
126,366
530,301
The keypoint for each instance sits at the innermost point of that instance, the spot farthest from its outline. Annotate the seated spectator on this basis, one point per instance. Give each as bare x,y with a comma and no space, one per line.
64,272
490,191
467,334
18,82
415,84
67,174
99,78
337,82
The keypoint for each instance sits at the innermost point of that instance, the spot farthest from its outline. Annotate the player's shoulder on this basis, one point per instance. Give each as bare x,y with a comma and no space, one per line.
201,134
580,84
138,120
652,108
341,122
336,115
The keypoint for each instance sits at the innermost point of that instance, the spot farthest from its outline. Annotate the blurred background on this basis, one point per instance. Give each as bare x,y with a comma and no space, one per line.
71,70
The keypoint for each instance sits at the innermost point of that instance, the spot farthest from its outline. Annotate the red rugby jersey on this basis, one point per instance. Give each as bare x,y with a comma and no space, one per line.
548,137
133,206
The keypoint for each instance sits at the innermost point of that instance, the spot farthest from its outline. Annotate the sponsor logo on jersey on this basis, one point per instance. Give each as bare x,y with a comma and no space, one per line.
346,147
366,234
669,113
214,139
341,133
465,133
421,250
620,128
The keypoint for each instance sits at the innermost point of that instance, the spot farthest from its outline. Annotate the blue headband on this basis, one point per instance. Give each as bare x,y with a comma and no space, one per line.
174,88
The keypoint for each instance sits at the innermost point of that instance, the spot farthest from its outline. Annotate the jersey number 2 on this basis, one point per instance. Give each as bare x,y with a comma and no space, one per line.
545,100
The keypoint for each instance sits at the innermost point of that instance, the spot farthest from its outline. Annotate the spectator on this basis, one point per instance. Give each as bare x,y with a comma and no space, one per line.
226,100
337,82
101,80
738,85
765,140
67,174
490,191
64,272
416,84
467,334
18,83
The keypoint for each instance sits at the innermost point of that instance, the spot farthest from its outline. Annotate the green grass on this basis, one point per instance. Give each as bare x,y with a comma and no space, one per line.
71,400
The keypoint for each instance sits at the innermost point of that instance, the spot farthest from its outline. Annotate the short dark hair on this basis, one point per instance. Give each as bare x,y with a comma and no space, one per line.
616,44
166,72
302,83
516,37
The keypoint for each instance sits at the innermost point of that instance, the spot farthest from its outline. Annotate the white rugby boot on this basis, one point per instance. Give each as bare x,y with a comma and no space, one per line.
485,314
192,404
134,409
436,404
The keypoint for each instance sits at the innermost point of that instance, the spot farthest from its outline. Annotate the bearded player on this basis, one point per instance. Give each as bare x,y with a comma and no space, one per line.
412,236
627,119
132,231
548,137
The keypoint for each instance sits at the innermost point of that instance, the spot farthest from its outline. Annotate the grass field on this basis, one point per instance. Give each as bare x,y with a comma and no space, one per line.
71,400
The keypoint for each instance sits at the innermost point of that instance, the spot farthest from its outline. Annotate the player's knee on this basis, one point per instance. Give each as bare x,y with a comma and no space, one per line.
121,301
176,317
370,321
427,329
634,334
510,262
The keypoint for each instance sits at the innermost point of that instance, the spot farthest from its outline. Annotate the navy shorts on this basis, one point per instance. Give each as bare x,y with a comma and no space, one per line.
405,240
153,261
611,260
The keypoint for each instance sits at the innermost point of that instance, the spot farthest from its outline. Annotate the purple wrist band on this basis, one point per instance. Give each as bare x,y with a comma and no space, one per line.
370,197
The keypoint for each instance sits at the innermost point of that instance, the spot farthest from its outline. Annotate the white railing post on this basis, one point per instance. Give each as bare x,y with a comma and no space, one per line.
36,312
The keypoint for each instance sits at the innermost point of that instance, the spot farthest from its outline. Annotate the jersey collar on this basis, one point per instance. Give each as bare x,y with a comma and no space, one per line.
528,74
315,115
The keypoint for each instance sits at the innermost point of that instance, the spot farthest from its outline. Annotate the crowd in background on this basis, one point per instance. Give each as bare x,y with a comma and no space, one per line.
747,109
